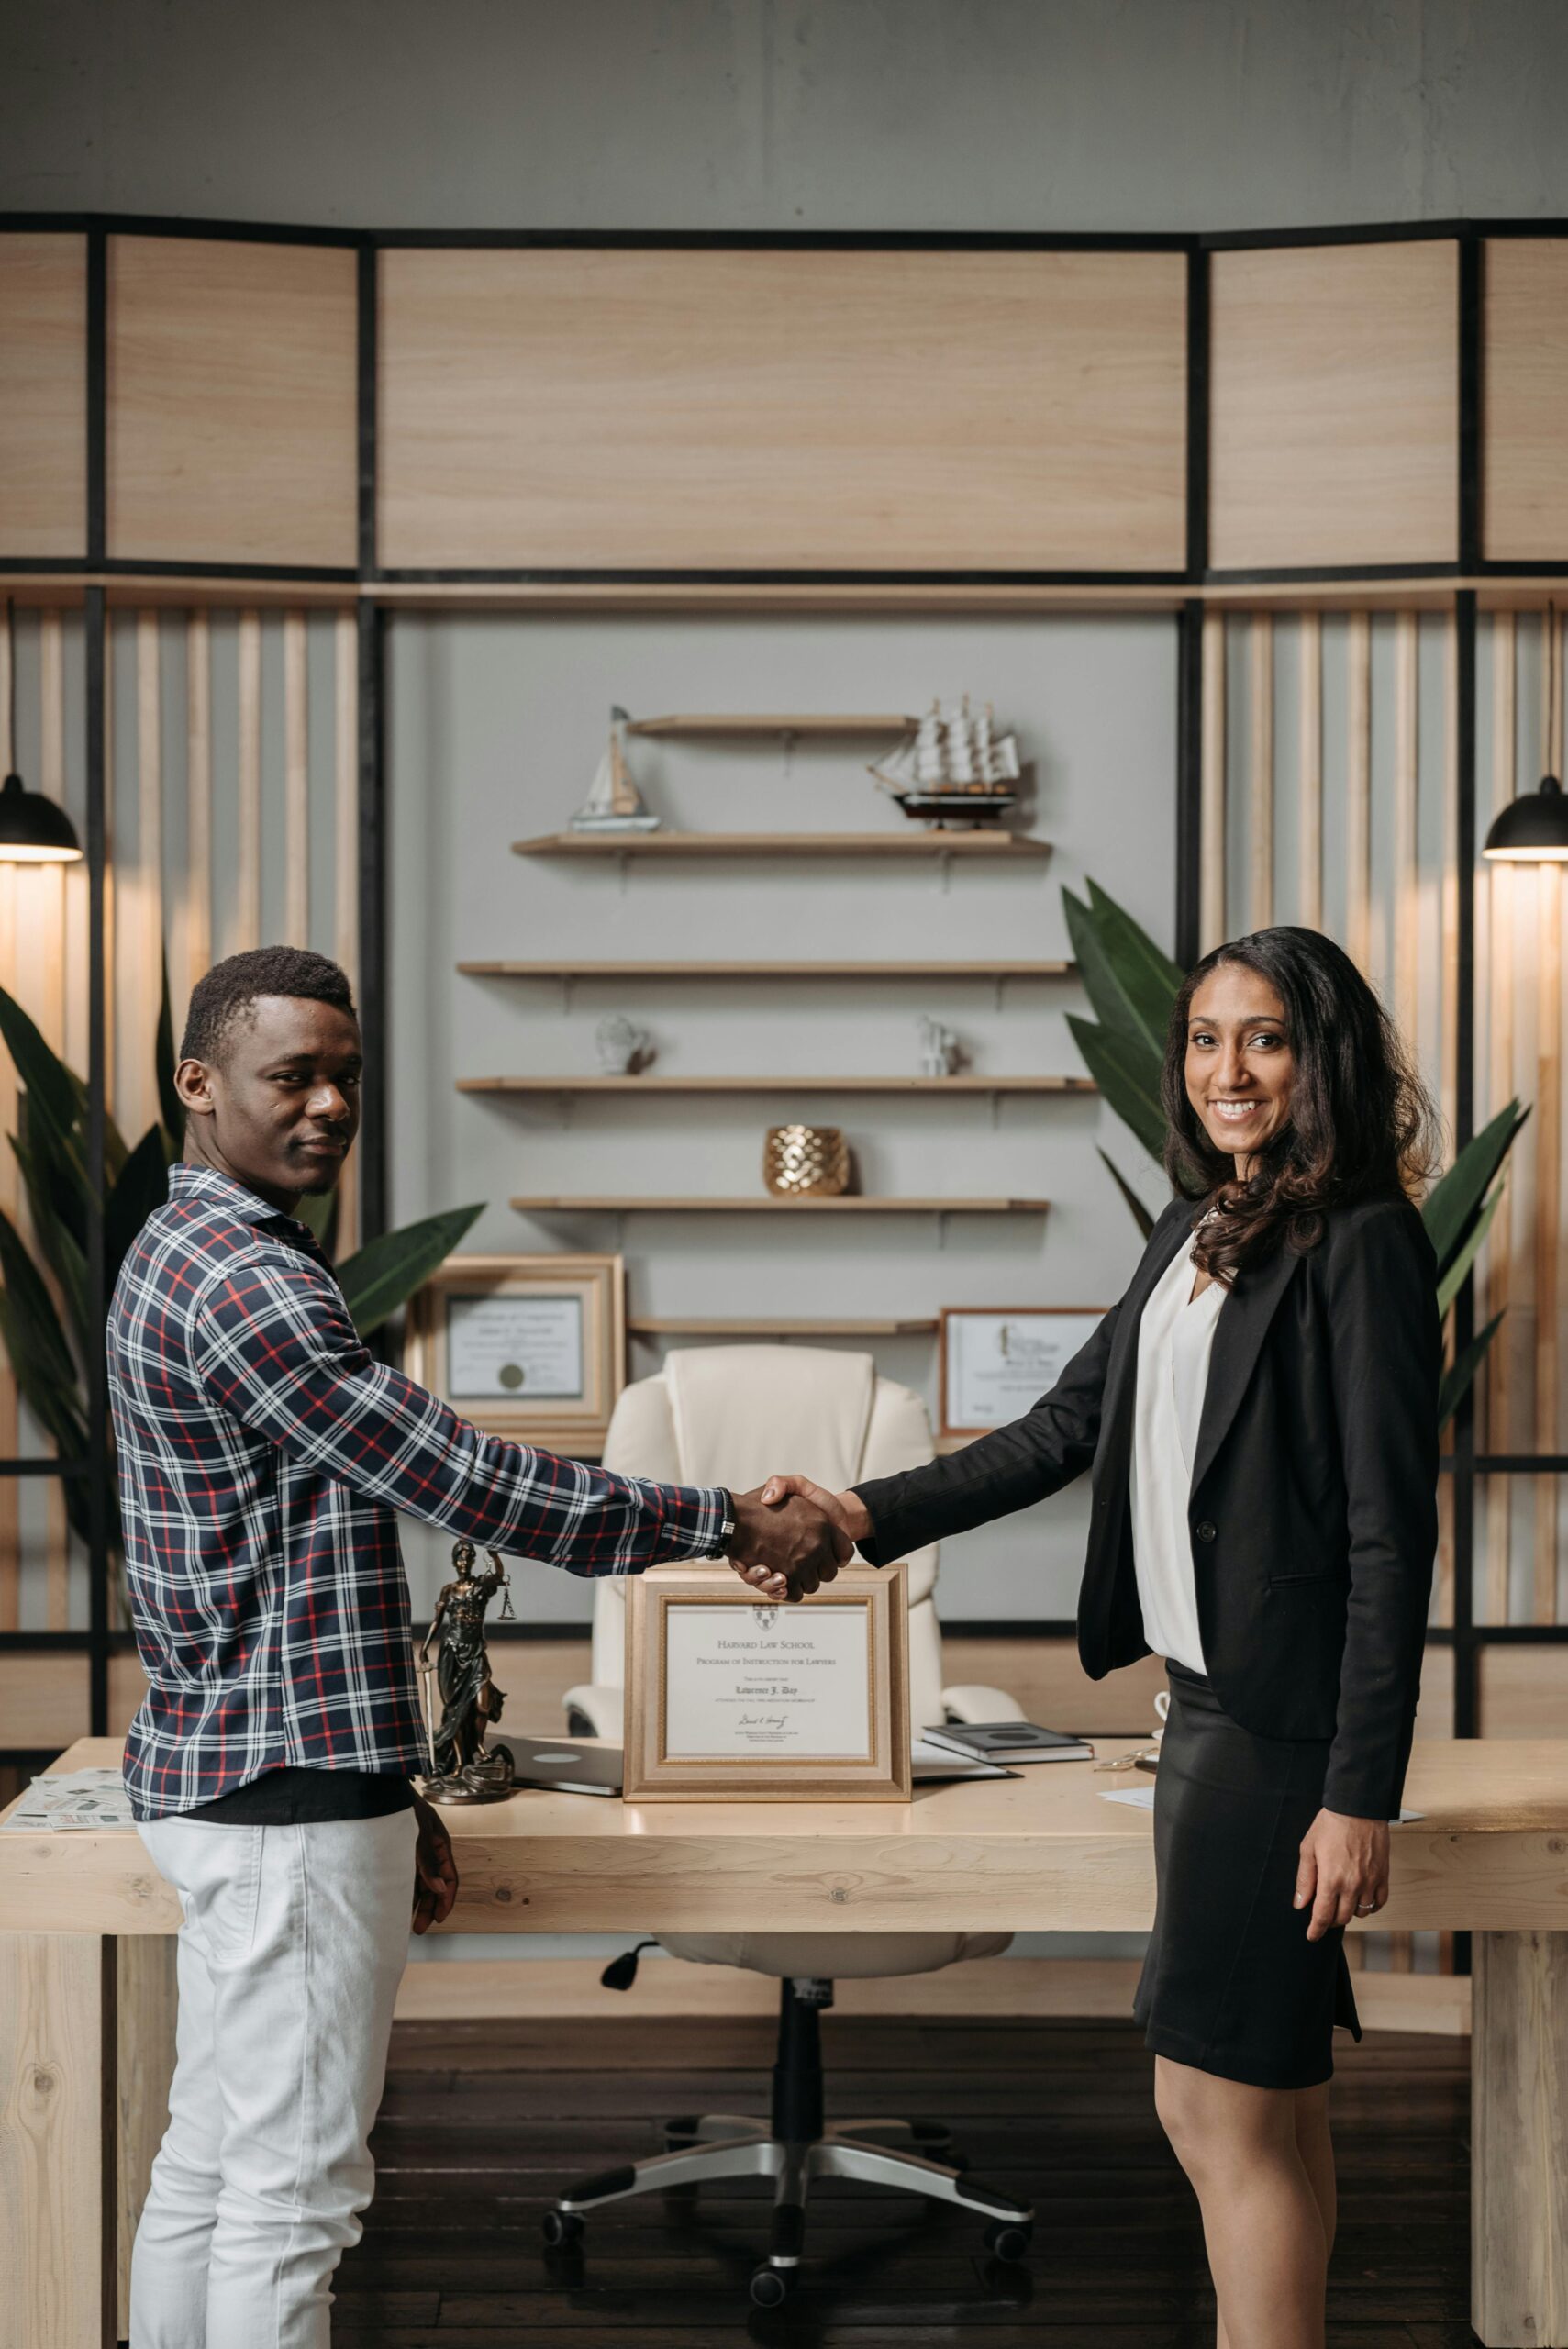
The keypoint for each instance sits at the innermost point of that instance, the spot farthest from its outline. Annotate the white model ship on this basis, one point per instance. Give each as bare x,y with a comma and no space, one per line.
954,769
615,804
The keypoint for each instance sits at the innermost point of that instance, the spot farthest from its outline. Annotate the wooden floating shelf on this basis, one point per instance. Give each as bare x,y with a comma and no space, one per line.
670,1085
744,723
855,1204
1005,847
932,972
663,1326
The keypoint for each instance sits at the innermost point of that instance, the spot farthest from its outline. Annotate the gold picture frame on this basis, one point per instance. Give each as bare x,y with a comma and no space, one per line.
960,1323
481,1327
719,1715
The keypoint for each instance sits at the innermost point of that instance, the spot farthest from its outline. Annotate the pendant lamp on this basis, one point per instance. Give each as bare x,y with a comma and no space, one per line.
1533,829
33,829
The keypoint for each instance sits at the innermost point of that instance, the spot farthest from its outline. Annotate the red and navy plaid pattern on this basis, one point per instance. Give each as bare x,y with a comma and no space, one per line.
262,1455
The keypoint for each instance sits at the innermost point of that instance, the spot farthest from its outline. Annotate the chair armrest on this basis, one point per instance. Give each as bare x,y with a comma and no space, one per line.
974,1703
602,1710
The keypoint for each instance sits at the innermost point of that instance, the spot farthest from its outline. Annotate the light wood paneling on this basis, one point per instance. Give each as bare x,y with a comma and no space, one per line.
1407,770
248,880
43,395
346,866
43,1698
1500,886
1309,769
1334,375
144,2030
1520,2138
1358,792
1547,1127
1211,788
1524,407
1261,776
231,408
56,2158
198,798
1524,1689
782,411
296,781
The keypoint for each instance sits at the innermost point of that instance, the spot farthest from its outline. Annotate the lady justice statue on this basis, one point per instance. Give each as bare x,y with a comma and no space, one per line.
461,1770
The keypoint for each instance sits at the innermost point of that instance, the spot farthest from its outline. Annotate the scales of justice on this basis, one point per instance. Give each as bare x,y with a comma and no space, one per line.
461,1770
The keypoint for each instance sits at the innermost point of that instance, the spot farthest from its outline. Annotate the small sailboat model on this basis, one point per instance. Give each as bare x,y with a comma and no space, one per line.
614,803
955,769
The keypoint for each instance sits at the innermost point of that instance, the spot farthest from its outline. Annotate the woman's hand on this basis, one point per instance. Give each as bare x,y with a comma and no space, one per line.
1343,1871
847,1510
435,1870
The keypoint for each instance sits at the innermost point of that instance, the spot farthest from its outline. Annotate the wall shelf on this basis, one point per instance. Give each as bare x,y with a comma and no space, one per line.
933,973
1005,847
855,1203
738,724
671,1085
667,1326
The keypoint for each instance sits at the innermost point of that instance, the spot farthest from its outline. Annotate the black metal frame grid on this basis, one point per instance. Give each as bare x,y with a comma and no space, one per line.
1467,1638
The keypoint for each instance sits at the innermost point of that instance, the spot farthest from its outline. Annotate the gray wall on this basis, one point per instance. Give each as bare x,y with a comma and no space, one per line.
780,114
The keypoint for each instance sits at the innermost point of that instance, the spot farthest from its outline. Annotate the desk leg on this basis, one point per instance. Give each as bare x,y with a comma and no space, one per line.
1519,2193
57,2140
145,2032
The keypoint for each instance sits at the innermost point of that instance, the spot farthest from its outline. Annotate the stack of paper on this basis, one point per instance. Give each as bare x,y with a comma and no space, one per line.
70,1798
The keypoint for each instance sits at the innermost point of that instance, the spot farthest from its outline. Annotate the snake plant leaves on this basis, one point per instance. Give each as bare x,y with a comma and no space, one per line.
1128,1074
1454,1202
1140,1214
1117,1000
385,1272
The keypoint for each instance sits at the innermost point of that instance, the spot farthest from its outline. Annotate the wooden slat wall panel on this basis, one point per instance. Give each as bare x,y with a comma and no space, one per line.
10,1517
1523,1691
782,411
43,394
346,866
1261,813
1334,376
232,402
248,890
1211,886
46,992
143,949
1501,885
1358,793
198,798
1407,754
1309,772
296,783
1524,407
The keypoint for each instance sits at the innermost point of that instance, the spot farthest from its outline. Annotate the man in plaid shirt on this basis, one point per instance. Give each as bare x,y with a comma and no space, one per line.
263,1454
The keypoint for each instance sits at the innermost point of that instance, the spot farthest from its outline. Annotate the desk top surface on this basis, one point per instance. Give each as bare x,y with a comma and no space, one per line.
1499,1785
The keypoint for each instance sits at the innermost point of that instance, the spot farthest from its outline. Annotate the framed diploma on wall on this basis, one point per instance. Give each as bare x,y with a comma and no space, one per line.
530,1347
728,1699
994,1365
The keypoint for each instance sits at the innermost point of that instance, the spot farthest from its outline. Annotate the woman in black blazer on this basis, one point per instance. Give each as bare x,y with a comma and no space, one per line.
1284,1541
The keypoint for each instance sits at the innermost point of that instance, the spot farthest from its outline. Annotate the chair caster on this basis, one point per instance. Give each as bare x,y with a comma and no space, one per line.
1005,2239
770,2288
560,2228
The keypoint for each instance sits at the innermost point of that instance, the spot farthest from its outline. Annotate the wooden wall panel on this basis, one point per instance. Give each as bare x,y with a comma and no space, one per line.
782,411
231,425
1524,405
43,394
1334,376
1524,1691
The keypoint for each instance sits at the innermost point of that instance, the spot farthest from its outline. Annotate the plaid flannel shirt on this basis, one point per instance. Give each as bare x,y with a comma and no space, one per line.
262,1455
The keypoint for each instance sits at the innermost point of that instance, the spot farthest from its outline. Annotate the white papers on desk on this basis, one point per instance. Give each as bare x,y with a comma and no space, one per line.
73,1798
1142,1799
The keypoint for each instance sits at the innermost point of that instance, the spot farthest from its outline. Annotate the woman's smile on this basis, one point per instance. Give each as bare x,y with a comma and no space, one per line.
1240,1065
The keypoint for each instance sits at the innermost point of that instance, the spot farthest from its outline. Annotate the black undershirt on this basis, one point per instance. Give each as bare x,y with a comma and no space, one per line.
290,1796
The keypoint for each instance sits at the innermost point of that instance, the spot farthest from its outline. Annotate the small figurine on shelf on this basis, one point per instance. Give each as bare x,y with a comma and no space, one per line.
939,1048
614,803
623,1049
461,1770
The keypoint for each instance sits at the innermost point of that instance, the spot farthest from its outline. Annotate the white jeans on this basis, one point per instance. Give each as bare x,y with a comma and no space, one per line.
290,1954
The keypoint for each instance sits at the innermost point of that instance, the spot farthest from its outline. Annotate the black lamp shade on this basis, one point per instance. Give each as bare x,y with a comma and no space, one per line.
33,829
1533,829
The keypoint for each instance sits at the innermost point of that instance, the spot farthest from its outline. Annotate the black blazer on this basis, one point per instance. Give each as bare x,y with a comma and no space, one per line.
1313,1508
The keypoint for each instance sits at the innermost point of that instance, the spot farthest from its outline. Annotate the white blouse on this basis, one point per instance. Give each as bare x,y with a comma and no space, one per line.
1174,1337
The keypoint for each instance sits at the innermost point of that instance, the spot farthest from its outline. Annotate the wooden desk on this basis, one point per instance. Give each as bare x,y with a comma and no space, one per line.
86,1998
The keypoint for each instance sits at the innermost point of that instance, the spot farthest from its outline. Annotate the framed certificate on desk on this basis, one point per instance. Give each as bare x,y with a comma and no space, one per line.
997,1364
728,1698
530,1347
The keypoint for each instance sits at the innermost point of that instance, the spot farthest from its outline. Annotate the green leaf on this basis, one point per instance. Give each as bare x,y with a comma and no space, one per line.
1144,967
171,1107
41,1354
1128,1076
1452,1281
385,1272
61,1243
1454,1202
1458,1378
318,1211
142,1188
1116,1003
1140,1214
49,1083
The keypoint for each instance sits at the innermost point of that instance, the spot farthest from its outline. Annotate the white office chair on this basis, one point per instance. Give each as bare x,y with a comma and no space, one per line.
731,1415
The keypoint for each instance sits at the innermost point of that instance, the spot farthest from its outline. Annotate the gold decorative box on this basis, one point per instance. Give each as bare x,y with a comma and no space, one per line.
807,1162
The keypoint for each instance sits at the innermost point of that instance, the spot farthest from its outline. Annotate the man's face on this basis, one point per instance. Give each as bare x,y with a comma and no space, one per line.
279,1109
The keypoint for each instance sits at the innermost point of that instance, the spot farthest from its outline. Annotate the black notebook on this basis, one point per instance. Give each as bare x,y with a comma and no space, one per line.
1010,1741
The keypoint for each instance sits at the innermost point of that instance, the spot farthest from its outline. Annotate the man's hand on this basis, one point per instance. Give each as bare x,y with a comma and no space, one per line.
1343,1871
787,1549
847,1510
435,1870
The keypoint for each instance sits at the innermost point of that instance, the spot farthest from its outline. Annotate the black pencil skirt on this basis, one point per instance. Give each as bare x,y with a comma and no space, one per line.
1231,1985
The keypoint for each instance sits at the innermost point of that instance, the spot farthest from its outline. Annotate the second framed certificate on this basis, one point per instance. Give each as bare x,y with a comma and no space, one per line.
995,1365
728,1698
530,1347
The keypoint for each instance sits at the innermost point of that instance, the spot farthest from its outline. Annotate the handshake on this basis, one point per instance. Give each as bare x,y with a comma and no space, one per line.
792,1536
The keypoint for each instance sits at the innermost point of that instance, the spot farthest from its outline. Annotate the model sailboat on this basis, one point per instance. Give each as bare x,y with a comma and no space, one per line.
614,803
954,769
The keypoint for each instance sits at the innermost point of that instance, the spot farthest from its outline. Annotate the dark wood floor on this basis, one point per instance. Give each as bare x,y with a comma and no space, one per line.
483,2122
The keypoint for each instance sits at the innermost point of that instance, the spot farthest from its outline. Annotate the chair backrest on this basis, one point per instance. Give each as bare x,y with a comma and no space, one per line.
732,1415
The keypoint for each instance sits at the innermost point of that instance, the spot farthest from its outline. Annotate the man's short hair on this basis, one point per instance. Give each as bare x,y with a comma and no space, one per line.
227,993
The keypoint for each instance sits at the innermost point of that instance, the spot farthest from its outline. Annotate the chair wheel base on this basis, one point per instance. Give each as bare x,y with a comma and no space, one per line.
770,2290
1007,2240
560,2228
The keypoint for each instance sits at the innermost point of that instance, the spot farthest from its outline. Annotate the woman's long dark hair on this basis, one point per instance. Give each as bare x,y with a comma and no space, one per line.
1361,1123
